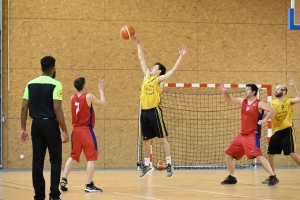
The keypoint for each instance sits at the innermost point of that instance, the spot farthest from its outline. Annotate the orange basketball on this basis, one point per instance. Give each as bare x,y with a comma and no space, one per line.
160,165
126,32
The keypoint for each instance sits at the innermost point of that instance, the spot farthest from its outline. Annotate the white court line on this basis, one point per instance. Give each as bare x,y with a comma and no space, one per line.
134,195
205,191
121,193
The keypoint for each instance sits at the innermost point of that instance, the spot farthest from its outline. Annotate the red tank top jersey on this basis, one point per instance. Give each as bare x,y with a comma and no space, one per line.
82,114
250,115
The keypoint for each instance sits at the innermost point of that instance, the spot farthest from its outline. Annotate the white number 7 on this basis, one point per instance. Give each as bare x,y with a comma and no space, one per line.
77,105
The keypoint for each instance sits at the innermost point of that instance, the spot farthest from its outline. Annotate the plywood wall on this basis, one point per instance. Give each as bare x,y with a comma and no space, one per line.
233,41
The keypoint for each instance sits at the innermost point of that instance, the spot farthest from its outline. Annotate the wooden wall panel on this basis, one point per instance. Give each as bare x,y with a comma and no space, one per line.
19,43
76,44
242,47
155,10
229,41
297,11
120,143
293,51
160,42
242,77
68,9
242,12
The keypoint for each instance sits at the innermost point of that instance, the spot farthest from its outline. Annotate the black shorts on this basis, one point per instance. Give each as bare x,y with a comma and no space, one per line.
152,124
283,140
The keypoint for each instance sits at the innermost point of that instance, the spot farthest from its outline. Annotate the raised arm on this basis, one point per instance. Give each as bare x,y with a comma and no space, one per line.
236,101
141,55
182,52
92,99
291,82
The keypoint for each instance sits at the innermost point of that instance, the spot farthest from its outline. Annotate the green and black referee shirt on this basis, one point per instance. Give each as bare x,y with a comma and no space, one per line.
40,93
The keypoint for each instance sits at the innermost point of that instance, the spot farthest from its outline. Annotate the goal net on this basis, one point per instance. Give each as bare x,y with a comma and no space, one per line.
201,125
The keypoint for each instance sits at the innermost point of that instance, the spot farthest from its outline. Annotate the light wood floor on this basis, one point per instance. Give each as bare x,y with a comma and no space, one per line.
185,184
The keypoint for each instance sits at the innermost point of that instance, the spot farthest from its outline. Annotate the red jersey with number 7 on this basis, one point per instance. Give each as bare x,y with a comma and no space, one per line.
82,114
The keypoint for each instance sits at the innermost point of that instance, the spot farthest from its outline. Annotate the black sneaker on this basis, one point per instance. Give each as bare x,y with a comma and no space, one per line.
92,188
50,198
63,184
229,180
170,171
146,170
273,180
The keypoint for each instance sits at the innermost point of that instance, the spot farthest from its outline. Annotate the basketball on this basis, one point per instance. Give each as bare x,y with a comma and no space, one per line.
126,32
160,165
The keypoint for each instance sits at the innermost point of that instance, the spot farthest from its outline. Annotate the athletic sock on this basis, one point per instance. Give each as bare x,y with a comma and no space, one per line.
147,161
169,160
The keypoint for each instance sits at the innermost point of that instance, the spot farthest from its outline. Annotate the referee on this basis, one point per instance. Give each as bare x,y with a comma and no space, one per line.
43,98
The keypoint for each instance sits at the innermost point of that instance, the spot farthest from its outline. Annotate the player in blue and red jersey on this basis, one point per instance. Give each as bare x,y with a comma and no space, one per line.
83,136
248,140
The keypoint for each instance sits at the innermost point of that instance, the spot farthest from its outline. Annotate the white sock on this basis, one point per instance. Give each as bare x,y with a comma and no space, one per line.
147,161
232,175
169,160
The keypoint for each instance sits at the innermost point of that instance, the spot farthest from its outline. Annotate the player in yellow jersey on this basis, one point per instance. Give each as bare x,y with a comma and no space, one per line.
283,133
151,119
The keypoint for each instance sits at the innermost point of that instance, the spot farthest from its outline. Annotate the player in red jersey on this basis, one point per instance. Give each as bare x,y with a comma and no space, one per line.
83,137
248,140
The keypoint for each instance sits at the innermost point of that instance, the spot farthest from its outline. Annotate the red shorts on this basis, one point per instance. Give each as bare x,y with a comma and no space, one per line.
83,139
248,144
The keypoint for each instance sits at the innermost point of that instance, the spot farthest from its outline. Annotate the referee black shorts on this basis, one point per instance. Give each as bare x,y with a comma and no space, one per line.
152,124
283,140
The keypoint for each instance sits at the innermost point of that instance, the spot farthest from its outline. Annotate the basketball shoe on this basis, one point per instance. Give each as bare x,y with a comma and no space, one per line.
63,184
92,188
273,180
170,171
146,170
229,180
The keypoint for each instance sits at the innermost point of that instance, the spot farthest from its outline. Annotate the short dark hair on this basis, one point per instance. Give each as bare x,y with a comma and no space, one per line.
47,63
161,67
253,87
79,83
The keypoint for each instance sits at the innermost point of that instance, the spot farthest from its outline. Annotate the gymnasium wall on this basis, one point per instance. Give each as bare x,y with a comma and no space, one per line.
233,41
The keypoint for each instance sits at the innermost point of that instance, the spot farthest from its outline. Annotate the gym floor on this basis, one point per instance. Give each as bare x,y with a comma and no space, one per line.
185,184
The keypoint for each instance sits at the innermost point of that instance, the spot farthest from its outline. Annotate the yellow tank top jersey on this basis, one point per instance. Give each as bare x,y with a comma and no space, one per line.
150,93
283,117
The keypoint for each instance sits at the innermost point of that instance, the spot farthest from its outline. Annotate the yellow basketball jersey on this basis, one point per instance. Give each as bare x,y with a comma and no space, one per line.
283,117
150,93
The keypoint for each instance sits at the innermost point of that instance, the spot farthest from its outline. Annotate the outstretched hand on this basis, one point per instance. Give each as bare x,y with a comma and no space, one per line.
101,84
135,38
183,50
221,87
290,81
